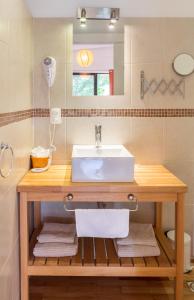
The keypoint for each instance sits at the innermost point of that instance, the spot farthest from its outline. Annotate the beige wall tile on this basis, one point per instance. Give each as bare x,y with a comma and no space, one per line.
146,46
9,225
179,142
82,131
20,83
184,170
41,132
147,140
176,36
4,20
127,44
15,94
4,83
53,37
145,214
15,58
58,91
20,137
40,90
9,276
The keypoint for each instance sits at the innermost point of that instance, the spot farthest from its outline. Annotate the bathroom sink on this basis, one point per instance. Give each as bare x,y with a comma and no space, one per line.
107,163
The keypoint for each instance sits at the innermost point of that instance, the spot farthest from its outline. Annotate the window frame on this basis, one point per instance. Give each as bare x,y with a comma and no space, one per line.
95,75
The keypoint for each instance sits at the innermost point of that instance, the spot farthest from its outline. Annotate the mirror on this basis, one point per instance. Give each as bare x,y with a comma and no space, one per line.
98,59
183,64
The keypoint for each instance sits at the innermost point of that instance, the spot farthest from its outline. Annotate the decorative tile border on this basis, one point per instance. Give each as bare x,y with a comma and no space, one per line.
131,112
16,116
12,117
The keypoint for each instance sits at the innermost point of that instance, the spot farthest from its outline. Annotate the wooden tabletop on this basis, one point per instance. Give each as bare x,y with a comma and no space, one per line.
148,178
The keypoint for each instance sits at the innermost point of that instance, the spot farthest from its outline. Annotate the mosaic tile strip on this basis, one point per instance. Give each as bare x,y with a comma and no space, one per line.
12,117
147,113
17,116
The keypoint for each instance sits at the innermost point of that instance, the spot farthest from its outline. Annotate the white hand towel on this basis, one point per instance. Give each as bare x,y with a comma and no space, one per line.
57,233
102,223
55,249
140,234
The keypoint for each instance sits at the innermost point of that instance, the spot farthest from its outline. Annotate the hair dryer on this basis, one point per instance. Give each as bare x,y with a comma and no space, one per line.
49,67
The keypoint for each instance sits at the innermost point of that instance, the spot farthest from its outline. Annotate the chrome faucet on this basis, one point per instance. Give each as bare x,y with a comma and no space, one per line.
98,135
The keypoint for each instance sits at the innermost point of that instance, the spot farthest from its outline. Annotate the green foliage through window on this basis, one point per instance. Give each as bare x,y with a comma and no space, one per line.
91,84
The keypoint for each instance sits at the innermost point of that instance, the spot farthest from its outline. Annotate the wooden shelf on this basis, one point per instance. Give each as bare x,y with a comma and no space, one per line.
152,183
97,257
148,178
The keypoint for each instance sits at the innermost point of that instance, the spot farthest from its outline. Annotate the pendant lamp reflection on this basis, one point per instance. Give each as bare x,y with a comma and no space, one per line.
85,58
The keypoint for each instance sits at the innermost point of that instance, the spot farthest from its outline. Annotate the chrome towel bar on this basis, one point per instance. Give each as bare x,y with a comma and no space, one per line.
130,197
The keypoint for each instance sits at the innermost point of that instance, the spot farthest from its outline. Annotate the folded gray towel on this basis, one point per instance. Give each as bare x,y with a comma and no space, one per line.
55,249
139,234
140,242
136,250
57,233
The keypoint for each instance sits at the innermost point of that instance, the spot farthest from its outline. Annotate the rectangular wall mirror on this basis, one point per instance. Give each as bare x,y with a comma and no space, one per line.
98,59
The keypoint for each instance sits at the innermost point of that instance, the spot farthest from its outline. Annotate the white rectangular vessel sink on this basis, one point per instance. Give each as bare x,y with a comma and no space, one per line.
108,163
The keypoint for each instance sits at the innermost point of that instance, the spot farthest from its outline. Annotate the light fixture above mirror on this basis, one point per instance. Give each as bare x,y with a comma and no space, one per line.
98,13
83,18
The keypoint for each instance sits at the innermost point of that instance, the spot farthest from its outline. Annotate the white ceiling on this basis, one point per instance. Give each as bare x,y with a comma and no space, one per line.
129,8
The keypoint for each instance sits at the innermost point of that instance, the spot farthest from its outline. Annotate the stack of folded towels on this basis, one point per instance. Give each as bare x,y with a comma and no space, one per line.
56,240
140,242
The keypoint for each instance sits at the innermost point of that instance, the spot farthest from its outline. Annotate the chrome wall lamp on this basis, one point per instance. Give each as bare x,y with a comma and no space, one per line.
98,13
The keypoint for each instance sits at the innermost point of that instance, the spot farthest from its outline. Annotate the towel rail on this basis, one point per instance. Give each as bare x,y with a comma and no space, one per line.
131,198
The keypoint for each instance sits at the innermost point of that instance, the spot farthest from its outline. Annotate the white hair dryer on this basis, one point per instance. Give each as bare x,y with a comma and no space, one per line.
49,67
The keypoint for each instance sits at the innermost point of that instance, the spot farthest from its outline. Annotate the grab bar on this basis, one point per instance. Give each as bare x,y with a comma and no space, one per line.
131,198
3,148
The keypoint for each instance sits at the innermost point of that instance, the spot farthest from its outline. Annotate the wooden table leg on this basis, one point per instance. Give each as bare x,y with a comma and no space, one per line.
37,214
159,216
179,247
24,252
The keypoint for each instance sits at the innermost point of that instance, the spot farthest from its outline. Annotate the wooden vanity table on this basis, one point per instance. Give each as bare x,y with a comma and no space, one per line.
153,183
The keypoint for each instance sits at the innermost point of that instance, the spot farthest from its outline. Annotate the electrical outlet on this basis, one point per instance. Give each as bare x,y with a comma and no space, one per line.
55,116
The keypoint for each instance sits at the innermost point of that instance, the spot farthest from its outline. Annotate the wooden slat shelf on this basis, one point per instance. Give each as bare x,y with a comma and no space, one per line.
95,254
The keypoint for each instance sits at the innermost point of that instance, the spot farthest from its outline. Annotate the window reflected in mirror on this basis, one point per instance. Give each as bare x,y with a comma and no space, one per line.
98,59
